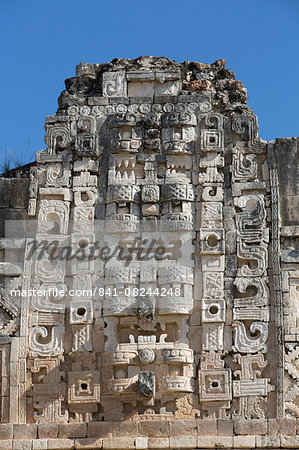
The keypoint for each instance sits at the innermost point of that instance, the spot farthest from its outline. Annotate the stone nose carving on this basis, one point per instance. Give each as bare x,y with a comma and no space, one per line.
146,384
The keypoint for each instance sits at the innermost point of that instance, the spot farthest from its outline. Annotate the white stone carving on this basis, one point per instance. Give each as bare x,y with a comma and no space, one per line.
46,341
244,344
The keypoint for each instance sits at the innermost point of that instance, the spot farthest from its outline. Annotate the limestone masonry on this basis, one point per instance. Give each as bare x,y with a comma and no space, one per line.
150,269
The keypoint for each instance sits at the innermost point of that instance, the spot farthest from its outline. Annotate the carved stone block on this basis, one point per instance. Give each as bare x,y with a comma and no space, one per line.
213,284
114,84
212,336
212,263
150,194
215,385
81,312
212,241
213,310
84,387
212,140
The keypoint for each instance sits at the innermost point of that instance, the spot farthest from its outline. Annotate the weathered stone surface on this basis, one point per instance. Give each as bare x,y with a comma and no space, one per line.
287,426
99,429
47,430
6,445
252,427
207,427
125,429
289,441
88,443
40,444
6,431
244,441
187,427
158,429
25,431
183,442
61,444
158,443
141,443
267,441
117,443
225,427
214,442
286,157
72,430
170,231
21,444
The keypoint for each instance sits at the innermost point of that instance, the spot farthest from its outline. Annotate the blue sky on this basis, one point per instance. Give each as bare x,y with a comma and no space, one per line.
42,41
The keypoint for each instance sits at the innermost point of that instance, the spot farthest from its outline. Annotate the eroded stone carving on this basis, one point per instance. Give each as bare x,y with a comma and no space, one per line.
157,155
245,344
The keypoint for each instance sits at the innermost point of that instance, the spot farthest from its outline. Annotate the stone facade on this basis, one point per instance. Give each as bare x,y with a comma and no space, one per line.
176,324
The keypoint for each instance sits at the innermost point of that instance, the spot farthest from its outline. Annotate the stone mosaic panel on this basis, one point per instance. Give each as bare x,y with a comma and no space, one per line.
167,290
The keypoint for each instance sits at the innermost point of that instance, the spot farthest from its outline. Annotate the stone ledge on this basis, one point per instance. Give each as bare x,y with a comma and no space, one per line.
40,444
119,443
141,443
157,443
250,427
244,441
267,441
5,444
6,431
289,441
61,444
155,428
47,430
25,431
100,429
72,430
21,444
271,433
183,442
88,443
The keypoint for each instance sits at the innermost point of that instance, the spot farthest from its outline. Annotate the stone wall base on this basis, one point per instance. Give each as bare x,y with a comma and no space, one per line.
181,443
189,434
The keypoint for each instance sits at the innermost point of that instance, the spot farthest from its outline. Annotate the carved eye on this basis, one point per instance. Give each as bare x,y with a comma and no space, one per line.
84,196
213,309
86,143
83,244
177,134
250,205
81,312
212,240
53,220
126,133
